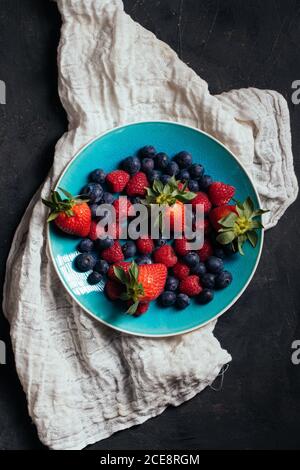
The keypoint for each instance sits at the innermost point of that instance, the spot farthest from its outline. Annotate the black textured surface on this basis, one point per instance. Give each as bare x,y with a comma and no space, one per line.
231,44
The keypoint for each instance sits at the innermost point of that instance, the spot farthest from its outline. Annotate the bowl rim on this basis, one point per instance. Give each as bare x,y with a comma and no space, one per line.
152,335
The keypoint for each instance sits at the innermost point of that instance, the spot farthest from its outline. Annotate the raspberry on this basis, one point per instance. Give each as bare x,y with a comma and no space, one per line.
181,270
190,285
145,246
137,185
202,198
206,251
165,255
117,180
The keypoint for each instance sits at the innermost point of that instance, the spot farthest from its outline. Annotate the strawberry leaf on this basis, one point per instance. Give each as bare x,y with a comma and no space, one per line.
133,308
66,193
226,237
228,220
52,216
252,237
120,274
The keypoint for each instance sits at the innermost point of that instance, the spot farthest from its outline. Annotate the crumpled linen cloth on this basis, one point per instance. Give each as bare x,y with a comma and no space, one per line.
84,381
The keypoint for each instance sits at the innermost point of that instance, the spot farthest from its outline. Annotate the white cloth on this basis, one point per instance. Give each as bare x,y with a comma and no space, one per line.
84,381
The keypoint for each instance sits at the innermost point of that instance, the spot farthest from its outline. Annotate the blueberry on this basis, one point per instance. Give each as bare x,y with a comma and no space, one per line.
167,298
143,260
183,159
198,269
153,175
165,179
219,252
183,175
94,209
94,277
171,283
172,169
191,259
214,264
147,152
129,249
182,301
103,243
223,279
161,160
193,186
97,176
147,164
205,181
85,245
107,198
205,296
208,280
93,191
160,242
85,261
131,164
101,266
196,170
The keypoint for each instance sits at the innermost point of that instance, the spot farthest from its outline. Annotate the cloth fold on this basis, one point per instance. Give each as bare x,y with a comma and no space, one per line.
84,381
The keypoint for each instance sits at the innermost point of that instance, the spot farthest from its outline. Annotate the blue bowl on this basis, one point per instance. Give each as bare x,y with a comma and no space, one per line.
106,152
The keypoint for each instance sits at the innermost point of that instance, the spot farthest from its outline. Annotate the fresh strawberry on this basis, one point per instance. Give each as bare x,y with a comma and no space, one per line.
190,286
220,193
218,213
137,185
206,251
144,245
165,255
122,207
143,283
180,246
122,264
181,270
176,216
202,198
72,215
117,180
113,289
113,254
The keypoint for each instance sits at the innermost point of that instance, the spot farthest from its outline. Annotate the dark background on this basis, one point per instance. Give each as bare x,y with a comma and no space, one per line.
231,44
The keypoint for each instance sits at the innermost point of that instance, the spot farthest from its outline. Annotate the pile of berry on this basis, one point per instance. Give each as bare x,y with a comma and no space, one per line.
162,269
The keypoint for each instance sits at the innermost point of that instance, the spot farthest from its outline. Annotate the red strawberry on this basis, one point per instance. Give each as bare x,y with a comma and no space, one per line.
137,185
190,286
206,251
72,215
152,277
202,198
123,264
165,255
117,180
181,270
113,254
180,246
122,207
176,216
143,283
145,245
220,193
113,289
218,213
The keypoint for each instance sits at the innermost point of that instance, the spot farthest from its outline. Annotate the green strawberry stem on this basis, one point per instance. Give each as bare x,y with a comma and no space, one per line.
134,289
237,228
57,205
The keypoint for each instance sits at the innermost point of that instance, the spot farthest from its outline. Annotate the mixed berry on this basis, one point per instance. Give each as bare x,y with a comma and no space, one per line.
137,272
